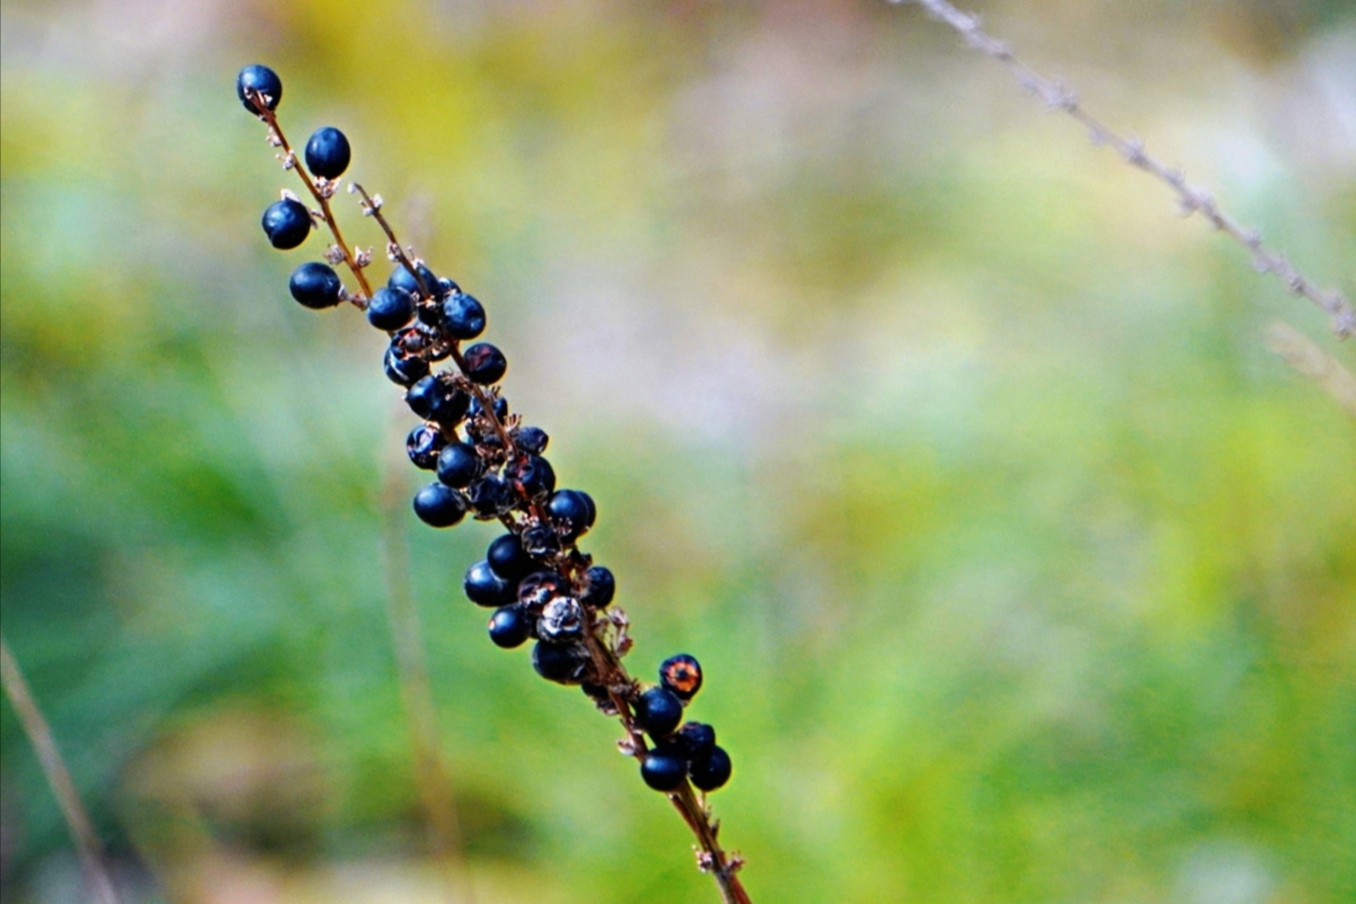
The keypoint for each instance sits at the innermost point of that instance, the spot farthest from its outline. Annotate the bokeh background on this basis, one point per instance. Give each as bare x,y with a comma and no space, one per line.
1022,569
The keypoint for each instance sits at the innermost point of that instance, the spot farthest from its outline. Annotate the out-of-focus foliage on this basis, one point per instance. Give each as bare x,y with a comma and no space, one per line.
1020,569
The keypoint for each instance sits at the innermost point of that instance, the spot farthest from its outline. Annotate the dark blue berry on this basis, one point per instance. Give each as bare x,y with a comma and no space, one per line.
540,587
570,511
532,476
258,79
485,588
695,739
478,426
390,309
403,279
712,771
287,223
435,398
316,285
541,540
485,364
663,768
403,369
658,712
327,153
532,439
463,317
681,674
599,586
490,496
459,465
508,559
446,286
561,620
596,691
423,444
560,662
510,626
439,505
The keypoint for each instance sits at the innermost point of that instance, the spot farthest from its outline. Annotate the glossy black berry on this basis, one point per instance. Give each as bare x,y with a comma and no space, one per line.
532,439
446,286
390,309
478,426
463,317
423,445
663,769
540,587
327,153
532,476
435,398
490,496
712,771
561,620
596,691
287,223
658,712
570,510
485,364
510,626
459,465
316,285
403,369
508,559
695,739
404,280
599,586
485,588
681,674
262,80
541,540
439,505
564,663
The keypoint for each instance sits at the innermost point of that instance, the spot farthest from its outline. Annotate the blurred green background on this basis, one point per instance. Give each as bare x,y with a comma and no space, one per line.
1021,569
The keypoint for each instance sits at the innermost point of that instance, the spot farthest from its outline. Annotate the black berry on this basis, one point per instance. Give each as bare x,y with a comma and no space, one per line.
404,369
696,740
570,510
663,769
561,619
560,662
459,465
541,540
532,476
403,279
287,223
540,587
485,364
485,588
532,439
599,586
316,285
712,771
439,505
682,675
259,80
510,626
390,309
423,445
463,316
658,712
327,153
435,398
490,496
508,559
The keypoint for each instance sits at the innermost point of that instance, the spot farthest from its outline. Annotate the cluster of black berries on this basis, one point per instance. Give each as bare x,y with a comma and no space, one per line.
490,465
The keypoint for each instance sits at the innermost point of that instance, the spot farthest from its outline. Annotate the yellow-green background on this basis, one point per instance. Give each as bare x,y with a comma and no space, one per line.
1021,569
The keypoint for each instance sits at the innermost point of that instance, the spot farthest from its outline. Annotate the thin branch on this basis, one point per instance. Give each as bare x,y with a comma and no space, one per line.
1300,352
1191,199
86,842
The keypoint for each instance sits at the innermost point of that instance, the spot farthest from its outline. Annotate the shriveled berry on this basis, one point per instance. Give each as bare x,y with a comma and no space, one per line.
695,739
401,278
658,712
287,223
563,663
569,510
423,445
485,364
435,398
403,369
258,79
532,439
600,586
681,674
463,316
459,465
510,626
316,285
327,152
663,769
508,559
540,587
561,620
490,496
439,505
711,771
390,309
485,588
541,540
532,476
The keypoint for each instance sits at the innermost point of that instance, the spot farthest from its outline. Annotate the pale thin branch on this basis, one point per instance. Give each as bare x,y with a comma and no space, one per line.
1191,199
58,778
1300,352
